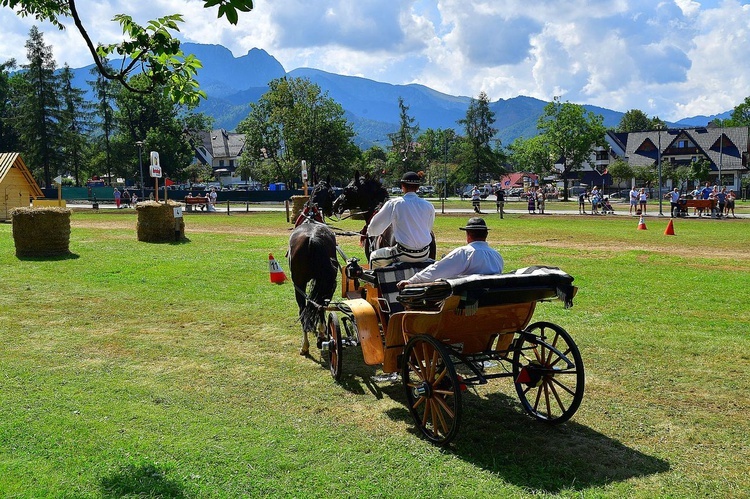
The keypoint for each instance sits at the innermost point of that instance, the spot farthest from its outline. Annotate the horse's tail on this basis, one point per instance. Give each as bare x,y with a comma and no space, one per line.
323,258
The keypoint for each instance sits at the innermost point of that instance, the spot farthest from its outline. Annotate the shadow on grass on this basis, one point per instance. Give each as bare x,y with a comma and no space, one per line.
55,258
495,434
140,480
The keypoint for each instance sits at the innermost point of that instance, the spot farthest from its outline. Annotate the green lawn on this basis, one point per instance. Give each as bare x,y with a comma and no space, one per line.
171,370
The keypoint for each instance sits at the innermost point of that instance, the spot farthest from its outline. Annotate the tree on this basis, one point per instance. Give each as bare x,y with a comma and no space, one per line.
39,109
571,133
403,151
156,120
292,122
635,120
433,145
531,154
105,95
151,49
8,132
740,115
479,158
76,121
620,170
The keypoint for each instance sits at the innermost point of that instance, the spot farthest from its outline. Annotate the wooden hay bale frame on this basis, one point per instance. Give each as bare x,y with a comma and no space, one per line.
298,203
157,223
41,232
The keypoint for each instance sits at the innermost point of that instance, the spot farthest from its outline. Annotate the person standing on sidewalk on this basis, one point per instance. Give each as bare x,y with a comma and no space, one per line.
500,202
476,198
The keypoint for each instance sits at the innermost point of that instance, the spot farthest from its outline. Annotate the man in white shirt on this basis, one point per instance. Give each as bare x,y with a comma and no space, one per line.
633,200
476,257
411,218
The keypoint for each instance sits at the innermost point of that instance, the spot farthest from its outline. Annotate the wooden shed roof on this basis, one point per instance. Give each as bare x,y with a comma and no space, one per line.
10,159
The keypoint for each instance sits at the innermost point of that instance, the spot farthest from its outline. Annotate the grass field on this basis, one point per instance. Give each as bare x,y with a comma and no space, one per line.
171,370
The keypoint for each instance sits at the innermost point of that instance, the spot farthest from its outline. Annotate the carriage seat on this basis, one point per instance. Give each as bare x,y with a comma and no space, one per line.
528,284
389,276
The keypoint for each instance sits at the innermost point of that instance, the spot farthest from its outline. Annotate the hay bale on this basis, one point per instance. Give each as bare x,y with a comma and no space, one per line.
41,231
156,222
298,203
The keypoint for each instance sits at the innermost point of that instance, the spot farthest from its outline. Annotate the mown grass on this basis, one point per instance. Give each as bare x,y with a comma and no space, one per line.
171,370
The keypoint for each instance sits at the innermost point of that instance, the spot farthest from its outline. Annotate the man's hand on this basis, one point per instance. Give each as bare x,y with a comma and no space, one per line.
401,284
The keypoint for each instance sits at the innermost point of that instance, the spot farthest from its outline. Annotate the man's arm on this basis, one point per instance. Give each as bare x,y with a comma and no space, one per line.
381,220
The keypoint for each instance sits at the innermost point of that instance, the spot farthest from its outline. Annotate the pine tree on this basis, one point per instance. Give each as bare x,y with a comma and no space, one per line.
39,109
403,143
104,90
75,124
478,156
8,133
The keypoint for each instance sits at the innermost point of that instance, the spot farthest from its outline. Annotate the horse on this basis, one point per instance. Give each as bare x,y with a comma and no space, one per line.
314,268
366,195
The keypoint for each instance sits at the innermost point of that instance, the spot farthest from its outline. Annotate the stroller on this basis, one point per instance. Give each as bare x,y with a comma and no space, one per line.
606,207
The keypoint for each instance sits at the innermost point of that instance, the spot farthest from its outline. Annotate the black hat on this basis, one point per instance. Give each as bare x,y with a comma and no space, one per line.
411,178
475,223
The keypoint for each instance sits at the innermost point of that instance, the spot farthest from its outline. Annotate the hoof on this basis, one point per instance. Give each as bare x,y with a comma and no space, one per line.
304,351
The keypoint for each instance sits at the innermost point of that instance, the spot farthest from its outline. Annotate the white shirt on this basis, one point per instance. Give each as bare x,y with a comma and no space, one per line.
412,218
476,257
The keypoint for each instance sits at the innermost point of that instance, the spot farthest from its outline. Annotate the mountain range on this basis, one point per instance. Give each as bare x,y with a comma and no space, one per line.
233,83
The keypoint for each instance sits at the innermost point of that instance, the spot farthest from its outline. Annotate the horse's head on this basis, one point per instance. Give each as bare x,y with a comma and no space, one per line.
362,194
322,196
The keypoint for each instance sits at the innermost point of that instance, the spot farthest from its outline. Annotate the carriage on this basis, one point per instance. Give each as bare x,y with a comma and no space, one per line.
447,336
443,337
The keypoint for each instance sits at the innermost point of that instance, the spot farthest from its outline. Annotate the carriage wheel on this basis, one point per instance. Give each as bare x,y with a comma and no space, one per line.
433,391
549,389
333,333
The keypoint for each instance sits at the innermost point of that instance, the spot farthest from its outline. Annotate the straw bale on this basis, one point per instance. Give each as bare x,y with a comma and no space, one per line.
298,203
156,222
41,231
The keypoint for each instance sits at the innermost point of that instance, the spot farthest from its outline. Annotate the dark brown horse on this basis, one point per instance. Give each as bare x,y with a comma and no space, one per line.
363,196
314,267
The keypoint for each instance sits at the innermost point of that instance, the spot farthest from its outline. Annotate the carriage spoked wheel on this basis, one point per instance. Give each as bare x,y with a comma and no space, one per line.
433,390
548,372
333,335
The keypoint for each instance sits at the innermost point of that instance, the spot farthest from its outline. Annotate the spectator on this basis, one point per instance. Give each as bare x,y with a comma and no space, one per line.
531,197
500,202
642,198
476,197
212,199
633,201
582,203
721,197
117,195
674,198
476,257
540,195
731,196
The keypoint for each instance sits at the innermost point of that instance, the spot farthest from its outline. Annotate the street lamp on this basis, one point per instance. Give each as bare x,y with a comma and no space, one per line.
721,154
658,190
445,176
140,165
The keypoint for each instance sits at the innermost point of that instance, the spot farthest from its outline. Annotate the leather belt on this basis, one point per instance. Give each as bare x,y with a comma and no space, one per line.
408,250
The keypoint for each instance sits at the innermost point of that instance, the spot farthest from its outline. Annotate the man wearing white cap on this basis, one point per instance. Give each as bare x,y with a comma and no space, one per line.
411,219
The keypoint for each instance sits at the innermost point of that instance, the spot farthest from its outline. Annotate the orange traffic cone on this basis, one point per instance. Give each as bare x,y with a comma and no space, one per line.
670,229
641,224
277,275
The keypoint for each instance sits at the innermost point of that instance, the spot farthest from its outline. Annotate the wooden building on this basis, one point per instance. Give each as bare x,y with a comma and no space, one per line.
17,186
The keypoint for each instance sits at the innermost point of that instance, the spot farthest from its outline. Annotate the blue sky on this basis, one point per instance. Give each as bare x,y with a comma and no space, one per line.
668,58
